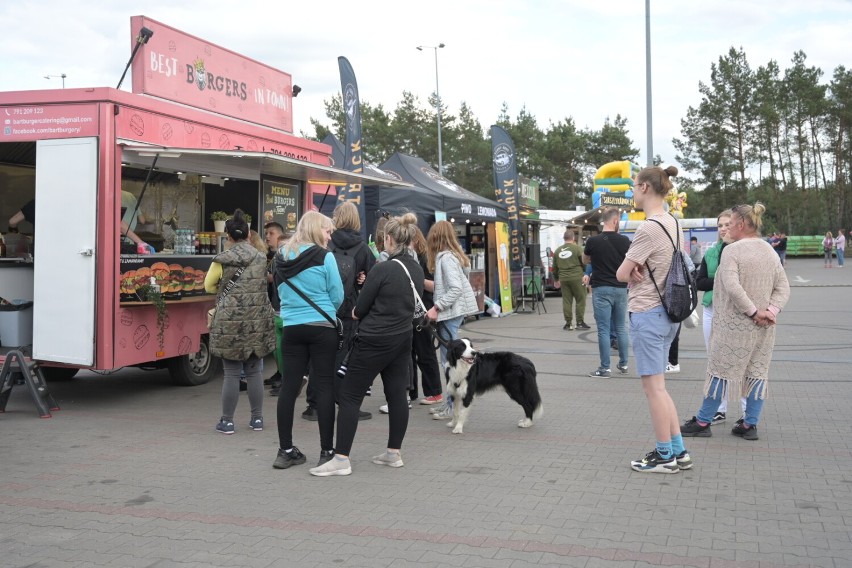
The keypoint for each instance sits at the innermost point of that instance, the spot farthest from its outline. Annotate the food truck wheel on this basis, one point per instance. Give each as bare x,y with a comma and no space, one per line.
195,368
53,374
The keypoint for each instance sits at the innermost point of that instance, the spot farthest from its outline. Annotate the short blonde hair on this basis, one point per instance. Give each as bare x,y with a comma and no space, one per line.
309,231
346,216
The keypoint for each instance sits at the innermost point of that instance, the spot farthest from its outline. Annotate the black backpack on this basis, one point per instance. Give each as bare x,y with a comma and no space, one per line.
346,267
681,294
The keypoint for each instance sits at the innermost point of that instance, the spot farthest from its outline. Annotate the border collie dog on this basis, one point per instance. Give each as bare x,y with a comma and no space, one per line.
471,372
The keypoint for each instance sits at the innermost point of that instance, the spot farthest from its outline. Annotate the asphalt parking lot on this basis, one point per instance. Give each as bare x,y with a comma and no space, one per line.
130,471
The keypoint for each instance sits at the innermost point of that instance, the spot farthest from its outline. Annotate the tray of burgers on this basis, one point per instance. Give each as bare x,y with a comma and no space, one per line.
175,281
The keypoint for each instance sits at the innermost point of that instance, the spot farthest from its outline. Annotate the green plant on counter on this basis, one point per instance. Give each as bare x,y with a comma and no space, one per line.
147,293
219,216
247,218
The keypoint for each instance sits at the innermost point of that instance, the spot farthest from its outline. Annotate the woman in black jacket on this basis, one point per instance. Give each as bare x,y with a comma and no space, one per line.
385,308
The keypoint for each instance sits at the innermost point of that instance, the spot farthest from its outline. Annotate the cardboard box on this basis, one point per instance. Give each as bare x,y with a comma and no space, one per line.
16,325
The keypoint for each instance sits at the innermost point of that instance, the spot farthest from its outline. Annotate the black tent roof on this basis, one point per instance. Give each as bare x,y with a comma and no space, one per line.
458,202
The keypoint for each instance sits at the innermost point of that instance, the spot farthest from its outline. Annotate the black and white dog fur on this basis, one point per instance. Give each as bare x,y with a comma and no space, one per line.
471,372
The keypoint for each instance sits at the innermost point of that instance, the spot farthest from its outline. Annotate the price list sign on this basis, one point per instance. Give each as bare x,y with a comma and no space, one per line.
281,203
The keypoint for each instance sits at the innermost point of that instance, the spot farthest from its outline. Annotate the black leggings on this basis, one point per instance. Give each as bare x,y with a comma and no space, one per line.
303,345
426,358
372,355
673,349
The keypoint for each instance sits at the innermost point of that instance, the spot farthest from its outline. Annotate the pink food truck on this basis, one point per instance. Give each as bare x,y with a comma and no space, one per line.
114,173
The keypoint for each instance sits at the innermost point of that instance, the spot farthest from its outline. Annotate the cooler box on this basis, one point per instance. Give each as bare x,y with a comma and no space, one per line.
16,324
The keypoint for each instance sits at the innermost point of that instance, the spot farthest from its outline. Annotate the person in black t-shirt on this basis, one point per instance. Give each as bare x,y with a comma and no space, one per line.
26,213
606,252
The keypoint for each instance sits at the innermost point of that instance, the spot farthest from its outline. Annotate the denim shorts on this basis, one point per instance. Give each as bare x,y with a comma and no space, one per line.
651,334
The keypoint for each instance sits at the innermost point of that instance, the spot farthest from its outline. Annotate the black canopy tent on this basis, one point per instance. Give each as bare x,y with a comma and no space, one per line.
380,199
431,192
458,203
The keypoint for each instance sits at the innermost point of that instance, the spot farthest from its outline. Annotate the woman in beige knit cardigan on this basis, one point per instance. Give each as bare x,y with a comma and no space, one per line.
750,290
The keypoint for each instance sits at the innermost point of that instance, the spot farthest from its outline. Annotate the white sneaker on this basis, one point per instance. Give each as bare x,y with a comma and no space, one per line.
384,408
446,413
672,368
334,466
391,459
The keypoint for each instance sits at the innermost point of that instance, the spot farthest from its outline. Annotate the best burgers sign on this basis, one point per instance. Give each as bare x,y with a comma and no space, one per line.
188,70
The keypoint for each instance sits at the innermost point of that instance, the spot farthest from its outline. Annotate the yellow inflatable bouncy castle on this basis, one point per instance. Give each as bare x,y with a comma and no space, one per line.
614,187
677,202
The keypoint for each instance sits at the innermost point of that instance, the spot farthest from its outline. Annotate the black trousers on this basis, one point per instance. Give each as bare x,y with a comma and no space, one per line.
349,328
424,357
373,355
303,346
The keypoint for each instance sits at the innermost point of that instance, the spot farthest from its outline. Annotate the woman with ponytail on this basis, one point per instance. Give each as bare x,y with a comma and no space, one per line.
651,330
242,332
385,308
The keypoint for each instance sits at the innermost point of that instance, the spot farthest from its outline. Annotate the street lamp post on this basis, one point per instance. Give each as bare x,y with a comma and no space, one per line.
438,97
57,77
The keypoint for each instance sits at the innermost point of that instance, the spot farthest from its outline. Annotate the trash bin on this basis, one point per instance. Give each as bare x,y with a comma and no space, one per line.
16,324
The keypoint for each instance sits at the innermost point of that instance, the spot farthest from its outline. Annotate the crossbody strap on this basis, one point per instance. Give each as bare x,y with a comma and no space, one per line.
411,281
311,302
229,285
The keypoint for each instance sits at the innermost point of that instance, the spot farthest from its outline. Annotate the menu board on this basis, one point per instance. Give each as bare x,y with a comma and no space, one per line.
281,202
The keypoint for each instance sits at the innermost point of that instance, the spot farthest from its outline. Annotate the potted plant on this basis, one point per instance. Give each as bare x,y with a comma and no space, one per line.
219,218
148,293
248,220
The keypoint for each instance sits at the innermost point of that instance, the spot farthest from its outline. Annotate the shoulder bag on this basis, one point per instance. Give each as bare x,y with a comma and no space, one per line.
211,313
419,316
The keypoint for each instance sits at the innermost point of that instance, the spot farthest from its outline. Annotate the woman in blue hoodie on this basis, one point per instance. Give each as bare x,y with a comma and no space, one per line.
309,338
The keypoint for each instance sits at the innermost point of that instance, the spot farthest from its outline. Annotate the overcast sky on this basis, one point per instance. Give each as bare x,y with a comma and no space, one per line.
583,59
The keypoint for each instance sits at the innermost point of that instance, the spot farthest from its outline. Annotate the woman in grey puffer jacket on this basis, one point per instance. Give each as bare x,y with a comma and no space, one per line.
454,298
243,330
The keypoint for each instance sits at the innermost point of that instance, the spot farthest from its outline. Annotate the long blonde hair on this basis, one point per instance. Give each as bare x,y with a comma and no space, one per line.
442,237
309,231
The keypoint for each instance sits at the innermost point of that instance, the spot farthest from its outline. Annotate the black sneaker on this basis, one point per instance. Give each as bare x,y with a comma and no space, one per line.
740,430
567,327
692,428
273,379
325,456
364,415
310,413
583,325
613,344
285,460
683,460
654,463
275,391
718,417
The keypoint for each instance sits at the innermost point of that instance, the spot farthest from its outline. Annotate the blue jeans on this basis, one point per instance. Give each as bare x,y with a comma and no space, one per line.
610,307
448,329
840,256
716,393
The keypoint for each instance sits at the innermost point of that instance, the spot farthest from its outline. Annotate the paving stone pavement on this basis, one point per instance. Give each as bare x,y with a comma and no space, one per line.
131,472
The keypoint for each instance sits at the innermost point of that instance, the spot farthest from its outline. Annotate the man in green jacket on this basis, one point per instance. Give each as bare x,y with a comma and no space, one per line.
568,267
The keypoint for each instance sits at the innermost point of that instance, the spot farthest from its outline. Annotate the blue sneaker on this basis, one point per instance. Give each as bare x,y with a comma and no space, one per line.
225,426
256,424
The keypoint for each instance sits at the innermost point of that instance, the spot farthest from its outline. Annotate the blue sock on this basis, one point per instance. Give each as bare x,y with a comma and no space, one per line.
677,445
664,449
